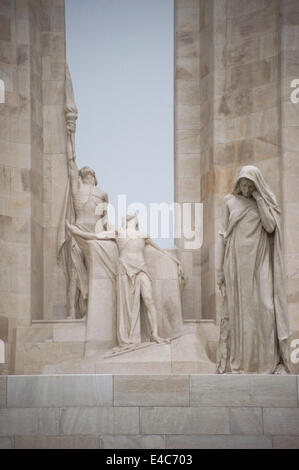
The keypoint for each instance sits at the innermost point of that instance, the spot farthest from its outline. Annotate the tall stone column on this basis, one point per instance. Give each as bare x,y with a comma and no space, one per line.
187,136
32,161
194,128
234,63
15,171
289,44
54,168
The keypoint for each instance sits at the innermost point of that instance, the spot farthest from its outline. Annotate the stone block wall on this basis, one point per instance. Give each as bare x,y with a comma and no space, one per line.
48,160
15,167
207,85
194,85
187,136
290,151
53,56
32,161
45,343
155,412
235,61
247,95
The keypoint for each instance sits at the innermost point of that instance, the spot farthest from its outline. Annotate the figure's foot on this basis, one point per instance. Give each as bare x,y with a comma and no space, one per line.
157,339
280,370
71,317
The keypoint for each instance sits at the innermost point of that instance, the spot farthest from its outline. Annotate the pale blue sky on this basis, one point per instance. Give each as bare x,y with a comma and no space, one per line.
120,54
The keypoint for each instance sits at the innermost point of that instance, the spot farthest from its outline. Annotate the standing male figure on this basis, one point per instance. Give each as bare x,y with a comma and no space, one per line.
82,199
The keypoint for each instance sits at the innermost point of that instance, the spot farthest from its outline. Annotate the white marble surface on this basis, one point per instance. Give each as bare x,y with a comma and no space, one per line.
123,411
250,390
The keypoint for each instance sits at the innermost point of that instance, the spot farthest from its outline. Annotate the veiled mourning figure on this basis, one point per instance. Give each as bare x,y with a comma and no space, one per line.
254,321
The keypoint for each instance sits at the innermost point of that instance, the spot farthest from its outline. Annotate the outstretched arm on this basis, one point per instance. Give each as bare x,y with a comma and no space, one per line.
181,276
267,219
150,242
75,231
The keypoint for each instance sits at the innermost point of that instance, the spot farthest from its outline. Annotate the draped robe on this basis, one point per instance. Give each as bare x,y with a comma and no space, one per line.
254,324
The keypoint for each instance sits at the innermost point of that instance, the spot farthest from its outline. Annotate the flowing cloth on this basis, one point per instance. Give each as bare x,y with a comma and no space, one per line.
132,274
69,255
254,327
129,267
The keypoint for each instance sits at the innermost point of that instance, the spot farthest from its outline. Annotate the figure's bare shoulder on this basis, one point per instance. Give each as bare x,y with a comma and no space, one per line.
227,197
143,235
227,200
104,196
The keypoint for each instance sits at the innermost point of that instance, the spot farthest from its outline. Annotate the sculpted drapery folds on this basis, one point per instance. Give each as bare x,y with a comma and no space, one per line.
134,286
254,321
81,200
134,283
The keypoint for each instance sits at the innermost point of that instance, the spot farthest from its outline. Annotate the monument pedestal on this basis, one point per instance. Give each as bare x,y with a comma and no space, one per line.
149,411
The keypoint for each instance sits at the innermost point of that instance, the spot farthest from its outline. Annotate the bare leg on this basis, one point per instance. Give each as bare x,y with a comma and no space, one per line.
147,296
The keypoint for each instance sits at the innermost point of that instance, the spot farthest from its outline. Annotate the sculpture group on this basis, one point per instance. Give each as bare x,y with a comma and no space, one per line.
254,323
85,219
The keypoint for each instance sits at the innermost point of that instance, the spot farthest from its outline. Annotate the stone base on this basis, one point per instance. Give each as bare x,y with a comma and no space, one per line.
61,348
194,352
149,411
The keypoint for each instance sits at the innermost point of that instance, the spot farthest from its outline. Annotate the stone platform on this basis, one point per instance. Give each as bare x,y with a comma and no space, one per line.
61,348
158,411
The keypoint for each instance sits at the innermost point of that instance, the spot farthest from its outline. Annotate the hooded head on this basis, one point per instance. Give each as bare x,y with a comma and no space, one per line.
253,174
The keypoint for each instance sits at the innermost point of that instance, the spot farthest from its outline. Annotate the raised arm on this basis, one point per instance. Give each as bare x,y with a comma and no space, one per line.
71,114
267,219
73,173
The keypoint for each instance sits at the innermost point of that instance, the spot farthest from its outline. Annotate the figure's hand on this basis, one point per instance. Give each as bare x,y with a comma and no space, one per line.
181,272
110,233
69,226
100,235
106,234
223,290
220,278
221,283
256,195
72,228
71,126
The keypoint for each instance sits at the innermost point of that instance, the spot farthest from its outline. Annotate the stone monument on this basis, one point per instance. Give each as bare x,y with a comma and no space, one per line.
228,102
78,368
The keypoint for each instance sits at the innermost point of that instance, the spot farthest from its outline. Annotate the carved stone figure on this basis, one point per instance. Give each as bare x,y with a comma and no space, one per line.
254,325
133,282
82,199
